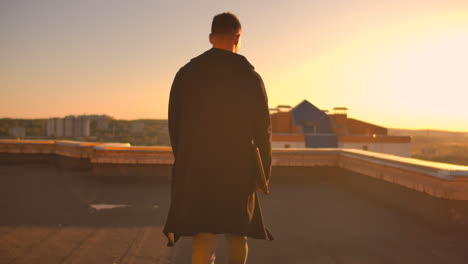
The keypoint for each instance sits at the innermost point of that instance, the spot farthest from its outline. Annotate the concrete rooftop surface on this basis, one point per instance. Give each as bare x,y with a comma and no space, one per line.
49,214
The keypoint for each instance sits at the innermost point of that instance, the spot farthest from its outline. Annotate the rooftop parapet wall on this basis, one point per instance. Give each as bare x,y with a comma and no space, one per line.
27,146
436,179
132,155
73,149
306,157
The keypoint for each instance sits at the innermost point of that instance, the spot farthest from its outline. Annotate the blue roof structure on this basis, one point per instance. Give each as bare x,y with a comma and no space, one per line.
314,124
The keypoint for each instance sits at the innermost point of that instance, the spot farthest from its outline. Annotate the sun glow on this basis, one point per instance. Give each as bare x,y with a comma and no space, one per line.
399,73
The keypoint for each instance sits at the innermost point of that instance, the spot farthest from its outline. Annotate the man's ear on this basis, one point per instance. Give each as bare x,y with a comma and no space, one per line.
211,38
237,39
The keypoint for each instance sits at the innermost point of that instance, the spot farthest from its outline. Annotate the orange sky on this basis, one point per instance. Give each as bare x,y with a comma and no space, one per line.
397,63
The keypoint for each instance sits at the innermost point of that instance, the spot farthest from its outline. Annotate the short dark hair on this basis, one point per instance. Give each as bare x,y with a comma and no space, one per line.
225,23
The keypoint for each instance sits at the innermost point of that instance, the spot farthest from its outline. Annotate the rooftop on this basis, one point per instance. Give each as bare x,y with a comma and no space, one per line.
325,207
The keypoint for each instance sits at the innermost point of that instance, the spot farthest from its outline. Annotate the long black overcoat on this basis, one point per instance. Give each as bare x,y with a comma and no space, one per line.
217,106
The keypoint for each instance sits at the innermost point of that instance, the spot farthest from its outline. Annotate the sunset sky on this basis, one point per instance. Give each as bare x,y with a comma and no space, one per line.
395,63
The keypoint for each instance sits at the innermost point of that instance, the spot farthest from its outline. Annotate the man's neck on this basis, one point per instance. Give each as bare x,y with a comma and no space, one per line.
231,48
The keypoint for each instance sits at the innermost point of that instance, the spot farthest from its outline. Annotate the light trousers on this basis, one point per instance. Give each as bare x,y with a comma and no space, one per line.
204,248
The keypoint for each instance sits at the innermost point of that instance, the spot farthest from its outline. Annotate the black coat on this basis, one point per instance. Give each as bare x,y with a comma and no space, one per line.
217,105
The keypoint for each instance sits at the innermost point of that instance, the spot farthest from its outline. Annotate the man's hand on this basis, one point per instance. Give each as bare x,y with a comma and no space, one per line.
258,188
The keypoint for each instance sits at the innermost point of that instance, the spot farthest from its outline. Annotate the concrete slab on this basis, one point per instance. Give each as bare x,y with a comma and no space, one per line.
331,216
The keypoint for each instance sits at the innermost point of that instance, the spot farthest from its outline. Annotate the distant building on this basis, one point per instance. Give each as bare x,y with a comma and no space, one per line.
288,141
70,126
55,127
17,132
307,126
285,133
102,121
81,127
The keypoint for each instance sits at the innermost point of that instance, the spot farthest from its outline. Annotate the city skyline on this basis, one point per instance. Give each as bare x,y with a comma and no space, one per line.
397,63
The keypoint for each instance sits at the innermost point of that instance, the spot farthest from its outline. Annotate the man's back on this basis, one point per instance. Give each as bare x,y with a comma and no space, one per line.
218,100
217,107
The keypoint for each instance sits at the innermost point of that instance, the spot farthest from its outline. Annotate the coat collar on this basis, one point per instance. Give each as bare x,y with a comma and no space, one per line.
234,56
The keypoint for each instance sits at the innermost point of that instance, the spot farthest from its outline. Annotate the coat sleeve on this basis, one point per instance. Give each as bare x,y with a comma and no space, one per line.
174,111
262,124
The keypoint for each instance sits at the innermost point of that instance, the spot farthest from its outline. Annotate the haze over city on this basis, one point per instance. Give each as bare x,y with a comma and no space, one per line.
398,63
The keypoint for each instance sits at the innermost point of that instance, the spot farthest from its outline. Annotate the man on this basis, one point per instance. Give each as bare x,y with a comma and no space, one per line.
217,107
